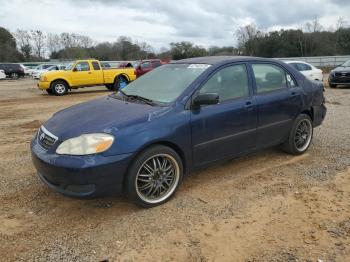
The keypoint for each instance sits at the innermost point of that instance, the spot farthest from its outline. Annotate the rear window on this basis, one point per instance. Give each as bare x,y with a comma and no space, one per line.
95,65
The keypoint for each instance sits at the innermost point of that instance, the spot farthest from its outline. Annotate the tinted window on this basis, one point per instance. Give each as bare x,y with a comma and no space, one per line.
145,65
95,65
269,77
46,66
229,83
156,63
295,65
304,67
82,66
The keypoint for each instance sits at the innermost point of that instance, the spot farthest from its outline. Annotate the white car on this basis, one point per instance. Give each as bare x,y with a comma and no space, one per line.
2,74
37,73
307,70
40,69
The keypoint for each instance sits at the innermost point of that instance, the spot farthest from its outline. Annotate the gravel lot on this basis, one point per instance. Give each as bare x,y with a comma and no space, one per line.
268,206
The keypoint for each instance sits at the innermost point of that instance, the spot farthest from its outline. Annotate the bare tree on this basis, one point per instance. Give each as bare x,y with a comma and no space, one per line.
53,43
23,39
38,38
246,36
341,23
313,26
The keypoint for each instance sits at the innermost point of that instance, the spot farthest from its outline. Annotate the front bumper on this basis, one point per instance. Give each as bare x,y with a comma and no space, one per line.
43,85
337,80
81,176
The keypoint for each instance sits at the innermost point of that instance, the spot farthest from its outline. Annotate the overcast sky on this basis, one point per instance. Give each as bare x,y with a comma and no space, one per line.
159,22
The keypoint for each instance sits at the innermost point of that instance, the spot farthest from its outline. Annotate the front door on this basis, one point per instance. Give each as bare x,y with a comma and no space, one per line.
81,74
228,128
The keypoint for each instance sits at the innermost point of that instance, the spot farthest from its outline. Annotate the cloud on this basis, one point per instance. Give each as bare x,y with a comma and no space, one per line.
159,22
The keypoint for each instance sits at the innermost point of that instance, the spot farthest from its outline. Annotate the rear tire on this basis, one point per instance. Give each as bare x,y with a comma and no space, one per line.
300,136
59,88
154,176
120,82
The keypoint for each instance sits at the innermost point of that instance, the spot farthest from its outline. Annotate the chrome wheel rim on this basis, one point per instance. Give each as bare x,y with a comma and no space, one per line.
157,178
303,135
60,88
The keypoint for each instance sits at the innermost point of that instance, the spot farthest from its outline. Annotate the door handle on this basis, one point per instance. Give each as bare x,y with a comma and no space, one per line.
89,73
293,93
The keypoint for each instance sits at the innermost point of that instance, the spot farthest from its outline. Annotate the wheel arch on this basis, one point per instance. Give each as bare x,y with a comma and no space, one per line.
60,79
123,75
309,112
166,143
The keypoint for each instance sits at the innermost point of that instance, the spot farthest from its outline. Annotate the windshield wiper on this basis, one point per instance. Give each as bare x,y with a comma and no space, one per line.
137,97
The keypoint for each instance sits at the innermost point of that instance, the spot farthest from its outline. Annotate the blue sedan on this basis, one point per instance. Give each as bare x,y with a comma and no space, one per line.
142,140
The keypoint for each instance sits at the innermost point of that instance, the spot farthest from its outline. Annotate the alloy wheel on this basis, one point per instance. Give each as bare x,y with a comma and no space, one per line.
303,135
157,178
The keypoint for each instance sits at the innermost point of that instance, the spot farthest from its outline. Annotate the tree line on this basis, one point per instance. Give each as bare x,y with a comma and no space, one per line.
310,40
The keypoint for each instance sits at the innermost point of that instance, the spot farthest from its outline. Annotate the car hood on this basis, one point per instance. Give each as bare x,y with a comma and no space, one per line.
107,115
341,69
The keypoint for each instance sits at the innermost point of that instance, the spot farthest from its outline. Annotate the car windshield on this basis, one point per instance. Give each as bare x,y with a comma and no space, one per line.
165,83
347,63
69,66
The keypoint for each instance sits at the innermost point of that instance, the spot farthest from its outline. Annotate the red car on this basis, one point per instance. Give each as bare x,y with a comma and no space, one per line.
148,65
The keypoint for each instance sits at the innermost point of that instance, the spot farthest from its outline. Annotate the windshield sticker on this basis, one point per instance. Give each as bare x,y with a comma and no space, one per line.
198,66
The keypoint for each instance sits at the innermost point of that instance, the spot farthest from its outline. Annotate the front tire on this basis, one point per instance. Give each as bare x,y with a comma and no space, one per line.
300,136
49,91
59,88
154,176
14,76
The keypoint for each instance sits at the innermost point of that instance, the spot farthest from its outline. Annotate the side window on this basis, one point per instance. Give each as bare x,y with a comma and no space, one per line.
156,64
304,67
295,65
95,65
229,83
145,65
269,77
82,66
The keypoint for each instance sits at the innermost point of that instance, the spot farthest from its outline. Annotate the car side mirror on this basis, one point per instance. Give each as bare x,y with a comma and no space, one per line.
75,69
205,99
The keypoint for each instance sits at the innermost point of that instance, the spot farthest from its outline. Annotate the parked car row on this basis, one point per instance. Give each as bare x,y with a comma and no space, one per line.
46,68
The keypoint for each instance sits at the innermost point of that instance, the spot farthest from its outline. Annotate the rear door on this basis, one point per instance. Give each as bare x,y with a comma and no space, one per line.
96,73
228,128
81,74
278,102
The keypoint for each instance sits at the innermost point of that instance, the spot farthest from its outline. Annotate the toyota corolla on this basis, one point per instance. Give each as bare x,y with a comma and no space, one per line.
141,141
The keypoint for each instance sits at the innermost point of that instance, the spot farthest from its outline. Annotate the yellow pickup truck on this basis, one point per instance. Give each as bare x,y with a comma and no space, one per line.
84,73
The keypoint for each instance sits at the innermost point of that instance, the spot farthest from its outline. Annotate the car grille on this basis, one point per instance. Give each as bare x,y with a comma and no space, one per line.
344,74
45,139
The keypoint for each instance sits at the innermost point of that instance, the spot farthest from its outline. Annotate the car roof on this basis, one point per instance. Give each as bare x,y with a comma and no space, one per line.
216,60
295,61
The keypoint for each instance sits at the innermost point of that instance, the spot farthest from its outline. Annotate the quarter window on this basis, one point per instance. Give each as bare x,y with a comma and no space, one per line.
269,77
95,65
82,66
229,83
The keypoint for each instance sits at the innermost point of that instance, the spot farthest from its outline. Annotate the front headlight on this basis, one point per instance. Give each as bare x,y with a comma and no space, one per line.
86,144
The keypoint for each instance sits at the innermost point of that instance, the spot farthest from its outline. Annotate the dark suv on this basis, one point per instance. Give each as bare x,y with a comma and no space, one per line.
12,70
340,75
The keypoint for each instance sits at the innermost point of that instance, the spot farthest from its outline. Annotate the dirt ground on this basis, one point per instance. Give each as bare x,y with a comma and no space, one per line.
268,206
